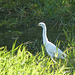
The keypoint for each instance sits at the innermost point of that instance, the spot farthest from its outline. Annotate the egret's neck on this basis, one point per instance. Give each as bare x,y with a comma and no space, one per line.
45,39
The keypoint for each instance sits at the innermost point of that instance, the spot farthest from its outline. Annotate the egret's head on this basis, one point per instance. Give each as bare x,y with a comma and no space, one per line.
42,24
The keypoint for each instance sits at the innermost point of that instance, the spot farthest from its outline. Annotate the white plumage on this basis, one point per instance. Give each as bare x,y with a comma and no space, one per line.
51,49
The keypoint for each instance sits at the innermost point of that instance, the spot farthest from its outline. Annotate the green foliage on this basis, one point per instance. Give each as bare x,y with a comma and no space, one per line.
69,33
70,45
24,63
25,13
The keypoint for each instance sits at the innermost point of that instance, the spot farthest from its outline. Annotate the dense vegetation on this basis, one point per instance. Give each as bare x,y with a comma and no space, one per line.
24,63
30,58
25,13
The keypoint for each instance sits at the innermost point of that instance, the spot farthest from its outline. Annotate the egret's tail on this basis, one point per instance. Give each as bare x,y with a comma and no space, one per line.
64,55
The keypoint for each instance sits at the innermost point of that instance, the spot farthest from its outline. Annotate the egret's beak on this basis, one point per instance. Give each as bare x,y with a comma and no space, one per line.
34,25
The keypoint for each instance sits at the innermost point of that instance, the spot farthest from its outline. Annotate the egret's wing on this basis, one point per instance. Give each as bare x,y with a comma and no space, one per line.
51,49
54,51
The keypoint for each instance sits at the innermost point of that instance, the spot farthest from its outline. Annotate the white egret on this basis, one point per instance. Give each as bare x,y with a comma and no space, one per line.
51,49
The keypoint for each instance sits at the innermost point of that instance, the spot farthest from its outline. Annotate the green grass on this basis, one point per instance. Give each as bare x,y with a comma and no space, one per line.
19,61
24,14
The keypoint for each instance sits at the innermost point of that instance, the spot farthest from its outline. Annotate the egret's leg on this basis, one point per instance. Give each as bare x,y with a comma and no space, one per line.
53,60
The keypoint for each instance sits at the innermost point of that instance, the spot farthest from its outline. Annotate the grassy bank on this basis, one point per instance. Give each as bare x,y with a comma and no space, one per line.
19,61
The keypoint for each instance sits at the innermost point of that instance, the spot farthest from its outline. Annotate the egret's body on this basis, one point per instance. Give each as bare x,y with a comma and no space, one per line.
51,49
